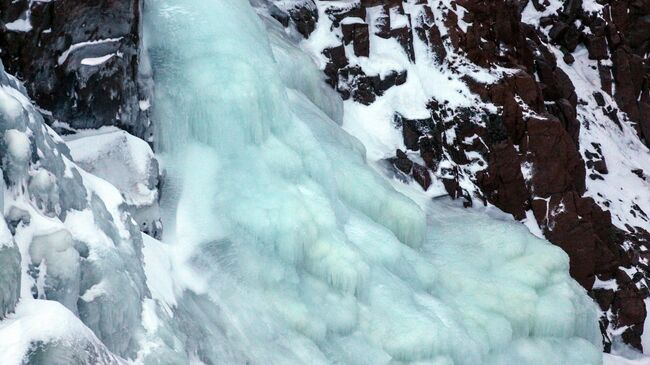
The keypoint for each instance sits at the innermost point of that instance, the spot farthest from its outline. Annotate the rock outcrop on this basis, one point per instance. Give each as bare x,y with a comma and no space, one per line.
79,61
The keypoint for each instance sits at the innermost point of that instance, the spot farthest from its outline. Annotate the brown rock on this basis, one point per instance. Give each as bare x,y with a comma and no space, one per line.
357,33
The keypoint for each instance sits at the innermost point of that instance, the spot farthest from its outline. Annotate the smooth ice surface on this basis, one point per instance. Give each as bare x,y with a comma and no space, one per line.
287,248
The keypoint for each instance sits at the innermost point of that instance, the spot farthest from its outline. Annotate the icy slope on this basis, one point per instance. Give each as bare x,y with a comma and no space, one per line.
71,276
288,248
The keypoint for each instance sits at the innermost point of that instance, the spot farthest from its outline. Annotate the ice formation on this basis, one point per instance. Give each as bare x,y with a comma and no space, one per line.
71,276
286,247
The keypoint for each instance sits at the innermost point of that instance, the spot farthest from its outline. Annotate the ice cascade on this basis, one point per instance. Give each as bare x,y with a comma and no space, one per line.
288,248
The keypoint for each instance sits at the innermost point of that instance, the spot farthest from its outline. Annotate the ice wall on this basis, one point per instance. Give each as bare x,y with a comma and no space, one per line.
71,276
290,249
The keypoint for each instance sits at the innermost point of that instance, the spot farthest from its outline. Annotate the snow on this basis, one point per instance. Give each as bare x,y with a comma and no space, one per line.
9,105
123,160
41,321
17,144
531,223
158,268
531,16
19,25
72,239
609,359
592,6
94,292
620,146
64,56
284,242
144,105
96,61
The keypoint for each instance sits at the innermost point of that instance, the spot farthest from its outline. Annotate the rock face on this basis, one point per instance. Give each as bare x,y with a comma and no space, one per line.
555,139
79,61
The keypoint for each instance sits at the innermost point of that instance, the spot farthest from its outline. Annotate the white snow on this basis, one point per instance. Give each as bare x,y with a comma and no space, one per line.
17,144
10,106
609,359
20,25
158,268
144,104
531,16
96,61
64,56
40,321
118,157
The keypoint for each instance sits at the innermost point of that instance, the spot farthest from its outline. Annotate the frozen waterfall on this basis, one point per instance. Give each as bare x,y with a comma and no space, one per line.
286,247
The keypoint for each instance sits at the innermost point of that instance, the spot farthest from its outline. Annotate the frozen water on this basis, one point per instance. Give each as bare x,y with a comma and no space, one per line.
287,248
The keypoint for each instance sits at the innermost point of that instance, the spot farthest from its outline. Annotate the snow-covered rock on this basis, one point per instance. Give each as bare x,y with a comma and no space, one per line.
77,246
128,163
80,61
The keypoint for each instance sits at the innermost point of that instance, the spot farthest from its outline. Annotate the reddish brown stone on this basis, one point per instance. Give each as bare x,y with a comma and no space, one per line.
552,150
357,33
502,183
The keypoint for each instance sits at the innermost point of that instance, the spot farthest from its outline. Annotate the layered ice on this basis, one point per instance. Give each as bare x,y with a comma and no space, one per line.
286,247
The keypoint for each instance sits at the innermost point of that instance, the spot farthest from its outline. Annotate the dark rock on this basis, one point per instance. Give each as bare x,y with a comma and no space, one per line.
403,36
557,31
83,94
639,173
422,176
357,33
402,162
606,80
601,167
305,17
338,13
600,100
336,61
597,47
428,32
568,58
552,150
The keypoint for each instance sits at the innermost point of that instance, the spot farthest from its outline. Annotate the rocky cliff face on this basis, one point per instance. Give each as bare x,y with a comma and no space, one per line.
551,121
79,61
